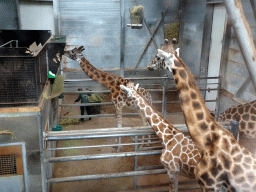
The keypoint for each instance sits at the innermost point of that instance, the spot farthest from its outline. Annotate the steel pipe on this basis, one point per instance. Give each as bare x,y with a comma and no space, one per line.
137,78
106,176
126,131
95,104
243,33
102,156
98,146
10,43
74,137
99,115
129,78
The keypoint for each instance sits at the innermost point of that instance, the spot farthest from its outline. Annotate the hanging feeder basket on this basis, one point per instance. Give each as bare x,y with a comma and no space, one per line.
136,15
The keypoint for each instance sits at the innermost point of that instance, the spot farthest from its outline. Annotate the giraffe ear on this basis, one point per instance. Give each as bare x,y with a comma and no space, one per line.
178,51
123,87
137,86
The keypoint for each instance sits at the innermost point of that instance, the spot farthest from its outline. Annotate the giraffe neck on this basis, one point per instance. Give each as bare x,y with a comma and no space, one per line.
155,119
198,118
106,79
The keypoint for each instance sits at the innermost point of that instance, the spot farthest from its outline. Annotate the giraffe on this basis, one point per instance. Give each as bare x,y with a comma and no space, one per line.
157,62
179,155
224,163
245,115
110,81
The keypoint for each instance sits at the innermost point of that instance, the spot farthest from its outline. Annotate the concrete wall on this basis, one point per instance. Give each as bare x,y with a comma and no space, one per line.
191,33
27,127
35,15
97,26
8,14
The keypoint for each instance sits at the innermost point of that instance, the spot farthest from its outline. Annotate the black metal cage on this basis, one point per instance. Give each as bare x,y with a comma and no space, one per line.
23,74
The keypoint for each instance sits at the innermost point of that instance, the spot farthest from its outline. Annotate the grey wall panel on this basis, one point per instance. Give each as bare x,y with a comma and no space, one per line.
25,128
96,26
8,15
191,34
136,39
237,68
226,103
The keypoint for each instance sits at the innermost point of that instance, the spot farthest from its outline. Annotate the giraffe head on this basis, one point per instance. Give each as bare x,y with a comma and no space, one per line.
130,89
163,60
158,62
75,53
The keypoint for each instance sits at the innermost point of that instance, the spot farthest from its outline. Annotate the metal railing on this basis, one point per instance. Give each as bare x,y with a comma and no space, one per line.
154,148
136,133
10,42
166,82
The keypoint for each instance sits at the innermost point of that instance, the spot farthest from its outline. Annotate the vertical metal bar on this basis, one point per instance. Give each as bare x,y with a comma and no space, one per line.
223,64
56,16
206,44
122,37
57,111
25,169
18,14
235,129
243,34
135,163
253,8
17,44
217,112
164,97
41,147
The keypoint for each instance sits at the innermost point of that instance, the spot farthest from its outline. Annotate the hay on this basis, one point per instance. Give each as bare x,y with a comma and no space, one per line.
7,132
171,31
95,98
137,14
69,121
57,87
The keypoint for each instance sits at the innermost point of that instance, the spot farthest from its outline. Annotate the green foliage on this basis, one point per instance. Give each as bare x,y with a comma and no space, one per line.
171,31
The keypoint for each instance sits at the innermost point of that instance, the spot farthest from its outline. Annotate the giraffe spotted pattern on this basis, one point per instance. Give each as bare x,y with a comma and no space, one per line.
110,81
179,155
224,164
245,115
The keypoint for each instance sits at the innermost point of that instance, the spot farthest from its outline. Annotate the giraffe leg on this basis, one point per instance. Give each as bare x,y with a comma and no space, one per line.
119,108
173,181
144,120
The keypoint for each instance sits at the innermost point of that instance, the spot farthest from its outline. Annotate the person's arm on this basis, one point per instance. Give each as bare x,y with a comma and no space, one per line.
78,99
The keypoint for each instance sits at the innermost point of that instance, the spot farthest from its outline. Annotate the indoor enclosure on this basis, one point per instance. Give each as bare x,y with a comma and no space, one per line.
51,139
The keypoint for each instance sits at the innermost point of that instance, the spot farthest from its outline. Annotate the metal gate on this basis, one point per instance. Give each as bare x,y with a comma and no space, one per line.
135,133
